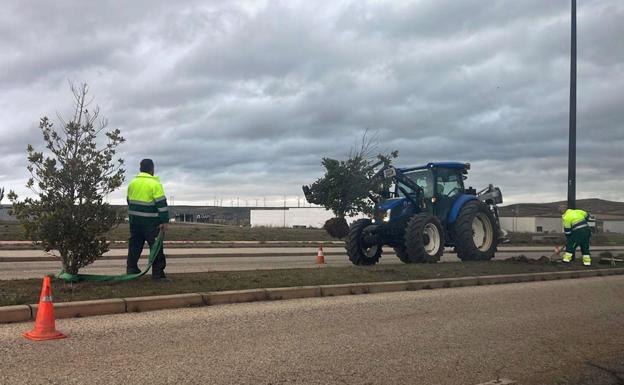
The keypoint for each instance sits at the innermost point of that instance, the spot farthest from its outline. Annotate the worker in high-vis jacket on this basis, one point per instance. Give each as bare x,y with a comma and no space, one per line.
148,215
577,231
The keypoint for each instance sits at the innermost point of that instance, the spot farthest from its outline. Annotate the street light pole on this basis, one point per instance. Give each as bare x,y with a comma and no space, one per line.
572,134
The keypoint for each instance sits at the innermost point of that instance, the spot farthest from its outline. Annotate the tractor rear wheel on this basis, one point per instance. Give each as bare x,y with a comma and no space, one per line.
424,238
475,232
360,249
402,254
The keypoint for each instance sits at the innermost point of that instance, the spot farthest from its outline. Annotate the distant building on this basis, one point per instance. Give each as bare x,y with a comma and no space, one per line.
315,217
613,227
543,217
531,224
308,217
4,214
555,224
238,216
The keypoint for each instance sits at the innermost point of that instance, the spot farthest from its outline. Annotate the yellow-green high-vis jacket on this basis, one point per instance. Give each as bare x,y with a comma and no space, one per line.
574,220
147,204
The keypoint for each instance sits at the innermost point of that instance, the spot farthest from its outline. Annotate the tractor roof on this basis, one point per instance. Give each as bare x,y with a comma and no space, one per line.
453,165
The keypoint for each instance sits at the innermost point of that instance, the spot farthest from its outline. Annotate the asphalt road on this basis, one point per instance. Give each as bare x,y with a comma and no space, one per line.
19,270
556,332
283,251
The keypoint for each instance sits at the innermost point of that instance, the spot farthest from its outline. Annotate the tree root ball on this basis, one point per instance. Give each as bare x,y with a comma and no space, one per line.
337,228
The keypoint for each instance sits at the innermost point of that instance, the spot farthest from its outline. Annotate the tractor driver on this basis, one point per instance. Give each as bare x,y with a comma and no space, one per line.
427,187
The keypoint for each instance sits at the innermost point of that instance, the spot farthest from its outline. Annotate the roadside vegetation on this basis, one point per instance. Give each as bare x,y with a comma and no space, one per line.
345,189
12,231
26,291
71,174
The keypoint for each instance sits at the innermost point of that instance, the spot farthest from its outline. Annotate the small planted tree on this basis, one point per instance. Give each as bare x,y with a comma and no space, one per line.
345,187
71,180
1,194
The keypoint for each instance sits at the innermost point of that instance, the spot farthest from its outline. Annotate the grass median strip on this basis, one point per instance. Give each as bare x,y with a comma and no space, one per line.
26,291
12,231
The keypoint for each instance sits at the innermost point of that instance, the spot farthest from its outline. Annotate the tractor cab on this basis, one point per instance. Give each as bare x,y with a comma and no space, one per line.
432,188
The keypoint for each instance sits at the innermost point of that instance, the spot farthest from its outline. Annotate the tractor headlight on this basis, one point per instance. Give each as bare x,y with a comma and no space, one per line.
386,216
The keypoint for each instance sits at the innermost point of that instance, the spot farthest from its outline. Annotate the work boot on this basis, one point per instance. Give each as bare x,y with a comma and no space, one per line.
161,277
586,260
132,270
567,258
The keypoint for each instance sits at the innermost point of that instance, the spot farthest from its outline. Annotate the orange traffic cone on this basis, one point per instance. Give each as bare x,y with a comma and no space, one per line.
45,328
320,258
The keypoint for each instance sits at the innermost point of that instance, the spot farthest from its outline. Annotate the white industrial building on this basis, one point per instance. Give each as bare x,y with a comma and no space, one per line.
4,213
555,225
315,217
532,224
310,217
613,226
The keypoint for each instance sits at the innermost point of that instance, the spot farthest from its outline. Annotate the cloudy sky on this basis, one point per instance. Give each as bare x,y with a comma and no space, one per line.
242,99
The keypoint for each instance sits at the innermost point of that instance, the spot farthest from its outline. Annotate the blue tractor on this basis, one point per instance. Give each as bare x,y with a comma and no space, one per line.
424,209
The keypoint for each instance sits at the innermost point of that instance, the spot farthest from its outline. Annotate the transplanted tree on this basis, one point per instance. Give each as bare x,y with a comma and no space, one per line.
345,187
71,180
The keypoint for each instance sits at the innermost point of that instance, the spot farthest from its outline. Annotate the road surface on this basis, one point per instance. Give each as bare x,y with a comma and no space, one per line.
285,251
199,263
555,332
223,259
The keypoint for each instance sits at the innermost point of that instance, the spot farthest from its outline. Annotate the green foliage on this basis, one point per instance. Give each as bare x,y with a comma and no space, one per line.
1,193
71,181
345,187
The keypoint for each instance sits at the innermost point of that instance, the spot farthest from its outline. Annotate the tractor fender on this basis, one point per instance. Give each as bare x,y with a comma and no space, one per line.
459,203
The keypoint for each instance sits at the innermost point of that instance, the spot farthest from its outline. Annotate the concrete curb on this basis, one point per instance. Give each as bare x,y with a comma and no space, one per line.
279,293
16,313
85,308
158,302
21,313
234,296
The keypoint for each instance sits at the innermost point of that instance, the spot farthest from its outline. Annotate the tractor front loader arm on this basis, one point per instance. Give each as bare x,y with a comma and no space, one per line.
491,195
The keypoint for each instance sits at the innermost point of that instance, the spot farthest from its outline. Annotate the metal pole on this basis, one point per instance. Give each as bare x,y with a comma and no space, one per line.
572,138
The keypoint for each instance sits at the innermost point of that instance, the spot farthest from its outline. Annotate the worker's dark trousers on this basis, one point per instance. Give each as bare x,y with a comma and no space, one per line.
139,234
578,238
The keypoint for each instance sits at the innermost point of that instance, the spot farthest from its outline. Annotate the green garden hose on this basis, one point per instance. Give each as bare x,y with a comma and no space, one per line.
154,250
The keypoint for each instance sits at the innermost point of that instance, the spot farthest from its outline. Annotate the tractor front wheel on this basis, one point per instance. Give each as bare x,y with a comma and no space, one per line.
360,245
475,232
424,238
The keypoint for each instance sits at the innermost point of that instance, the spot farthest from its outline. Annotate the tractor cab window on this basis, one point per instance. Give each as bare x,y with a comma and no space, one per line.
404,189
423,179
449,182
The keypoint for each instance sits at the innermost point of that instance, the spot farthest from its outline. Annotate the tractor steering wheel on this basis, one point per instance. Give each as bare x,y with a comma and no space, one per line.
450,193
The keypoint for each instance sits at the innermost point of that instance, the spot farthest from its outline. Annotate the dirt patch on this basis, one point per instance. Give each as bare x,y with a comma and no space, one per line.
26,291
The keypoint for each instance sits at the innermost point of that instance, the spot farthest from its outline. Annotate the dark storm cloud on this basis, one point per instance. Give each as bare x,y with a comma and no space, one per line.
244,98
